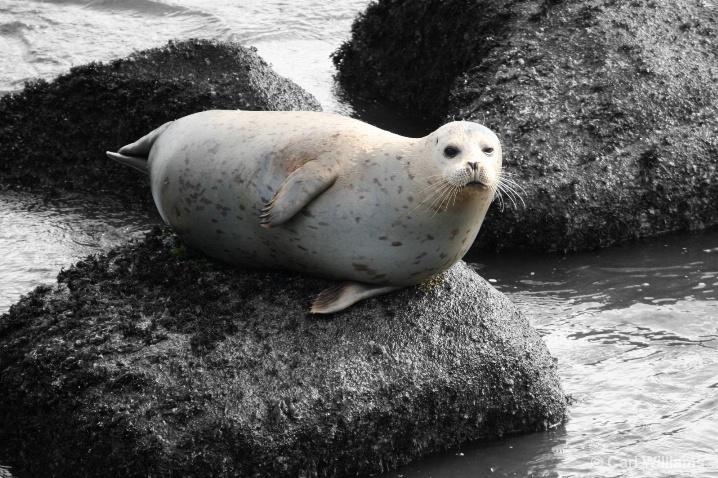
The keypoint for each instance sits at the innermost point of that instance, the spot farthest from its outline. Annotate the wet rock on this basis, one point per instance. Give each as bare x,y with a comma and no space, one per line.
153,361
55,134
605,109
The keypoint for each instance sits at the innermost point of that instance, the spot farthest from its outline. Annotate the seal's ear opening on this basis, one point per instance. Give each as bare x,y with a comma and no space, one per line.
338,298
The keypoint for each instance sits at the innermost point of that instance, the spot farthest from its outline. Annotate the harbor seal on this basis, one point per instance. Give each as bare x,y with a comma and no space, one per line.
322,194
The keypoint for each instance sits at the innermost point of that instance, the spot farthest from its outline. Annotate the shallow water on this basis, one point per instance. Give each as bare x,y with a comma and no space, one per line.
40,235
46,38
635,328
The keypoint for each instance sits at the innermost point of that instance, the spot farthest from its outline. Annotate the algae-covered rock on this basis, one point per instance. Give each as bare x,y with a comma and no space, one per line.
55,134
153,361
409,52
608,111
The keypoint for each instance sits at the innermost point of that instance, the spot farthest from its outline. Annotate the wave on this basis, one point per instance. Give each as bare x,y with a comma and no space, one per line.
149,7
153,8
14,28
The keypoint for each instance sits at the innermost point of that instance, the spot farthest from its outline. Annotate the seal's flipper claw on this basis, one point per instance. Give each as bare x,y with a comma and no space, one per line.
266,223
335,299
265,218
298,190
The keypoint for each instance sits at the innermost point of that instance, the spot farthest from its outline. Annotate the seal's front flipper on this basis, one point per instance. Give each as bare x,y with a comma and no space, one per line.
300,187
342,296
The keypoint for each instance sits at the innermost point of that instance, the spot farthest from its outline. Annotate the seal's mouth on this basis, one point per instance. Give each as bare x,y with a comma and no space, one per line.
476,185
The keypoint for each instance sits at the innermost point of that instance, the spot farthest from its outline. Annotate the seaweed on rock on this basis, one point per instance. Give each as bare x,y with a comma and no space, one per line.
141,362
55,134
608,111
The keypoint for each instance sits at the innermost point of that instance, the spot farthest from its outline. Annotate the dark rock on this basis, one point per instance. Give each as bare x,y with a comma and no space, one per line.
607,110
409,52
54,135
153,361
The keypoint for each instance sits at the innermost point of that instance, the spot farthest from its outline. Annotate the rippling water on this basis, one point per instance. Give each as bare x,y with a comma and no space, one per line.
46,38
39,235
635,328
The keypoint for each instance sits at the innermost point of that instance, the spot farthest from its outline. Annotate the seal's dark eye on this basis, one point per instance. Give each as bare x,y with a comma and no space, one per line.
488,150
450,151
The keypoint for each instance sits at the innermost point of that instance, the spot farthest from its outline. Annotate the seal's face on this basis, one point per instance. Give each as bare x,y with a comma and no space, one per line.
469,156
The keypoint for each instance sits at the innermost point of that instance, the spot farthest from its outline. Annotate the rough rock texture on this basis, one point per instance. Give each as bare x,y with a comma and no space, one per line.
56,134
608,110
153,361
409,52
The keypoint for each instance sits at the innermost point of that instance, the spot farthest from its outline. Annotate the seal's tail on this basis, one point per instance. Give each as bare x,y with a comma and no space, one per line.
135,154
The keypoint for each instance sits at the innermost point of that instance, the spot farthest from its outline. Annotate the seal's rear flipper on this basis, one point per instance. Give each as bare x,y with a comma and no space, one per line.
135,154
342,296
142,146
140,164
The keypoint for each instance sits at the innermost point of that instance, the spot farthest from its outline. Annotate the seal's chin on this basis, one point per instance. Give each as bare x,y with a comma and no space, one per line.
476,185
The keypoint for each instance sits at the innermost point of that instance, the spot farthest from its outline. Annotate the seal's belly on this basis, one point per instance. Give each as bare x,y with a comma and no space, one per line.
339,234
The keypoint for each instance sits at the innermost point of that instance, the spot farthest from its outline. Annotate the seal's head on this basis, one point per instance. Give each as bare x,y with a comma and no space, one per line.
468,156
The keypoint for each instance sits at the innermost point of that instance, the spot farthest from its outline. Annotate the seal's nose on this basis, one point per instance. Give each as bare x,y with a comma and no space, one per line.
474,166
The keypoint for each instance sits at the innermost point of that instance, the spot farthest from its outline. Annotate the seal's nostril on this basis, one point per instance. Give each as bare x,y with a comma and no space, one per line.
474,166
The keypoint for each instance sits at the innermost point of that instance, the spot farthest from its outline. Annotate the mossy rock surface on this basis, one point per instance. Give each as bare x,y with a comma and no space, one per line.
55,134
409,52
153,361
607,110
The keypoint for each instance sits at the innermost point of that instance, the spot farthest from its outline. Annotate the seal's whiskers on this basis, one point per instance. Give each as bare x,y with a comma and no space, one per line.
443,192
451,196
435,189
448,197
431,185
456,192
510,188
